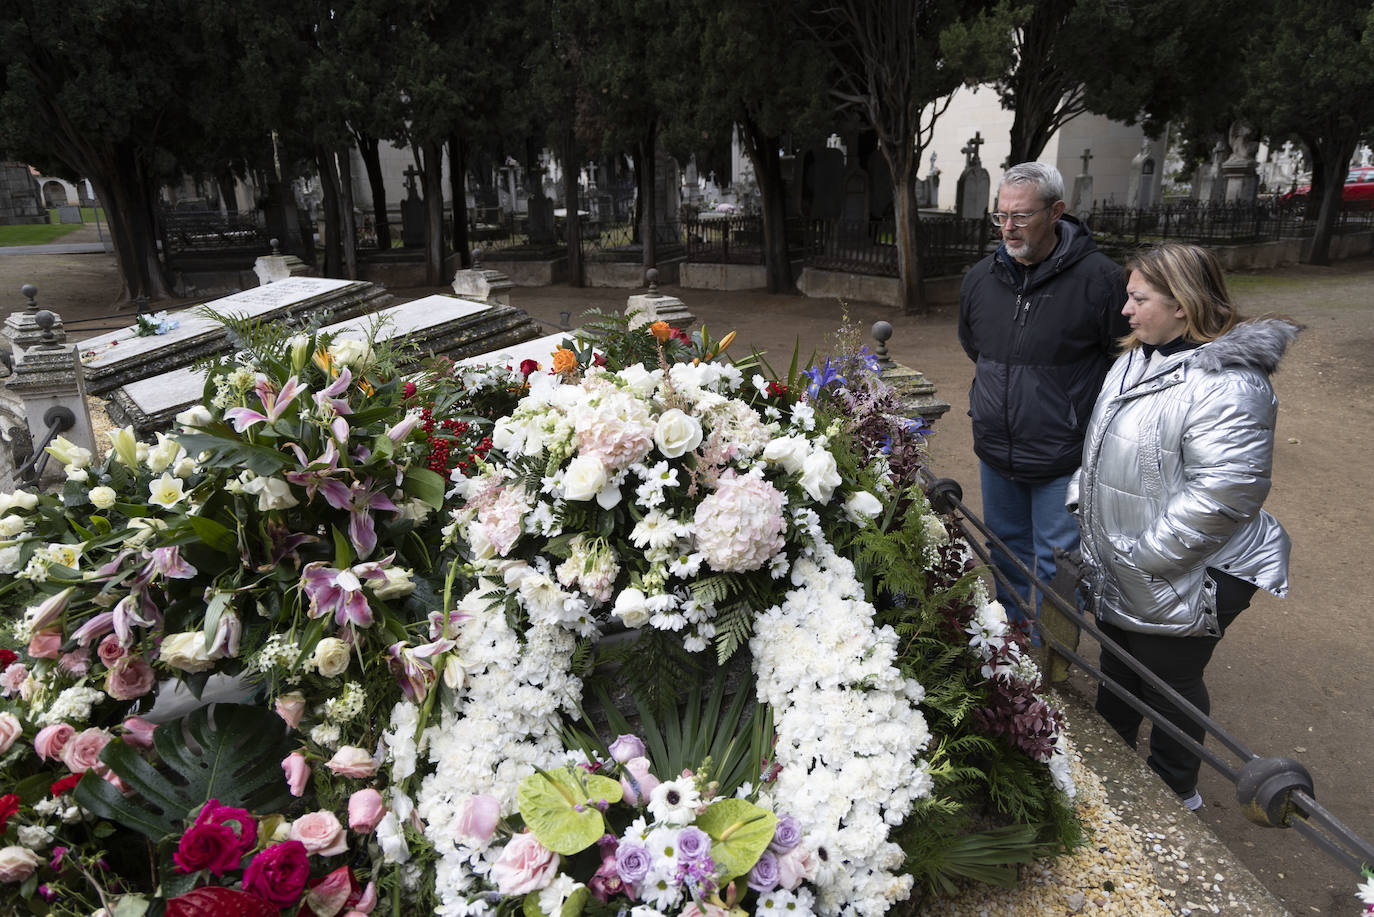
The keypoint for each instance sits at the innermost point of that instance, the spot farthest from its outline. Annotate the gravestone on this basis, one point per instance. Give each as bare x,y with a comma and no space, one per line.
21,200
928,188
538,349
880,187
855,196
437,324
826,184
68,213
691,185
412,212
1083,187
119,357
1208,185
541,219
1140,184
481,284
48,380
276,266
971,198
1240,171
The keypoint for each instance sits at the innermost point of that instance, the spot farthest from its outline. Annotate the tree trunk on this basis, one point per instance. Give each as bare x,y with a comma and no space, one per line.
1335,165
132,220
573,222
648,210
906,215
457,189
329,185
372,161
348,221
763,153
433,182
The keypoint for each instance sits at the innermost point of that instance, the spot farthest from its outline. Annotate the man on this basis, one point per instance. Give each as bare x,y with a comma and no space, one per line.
1039,317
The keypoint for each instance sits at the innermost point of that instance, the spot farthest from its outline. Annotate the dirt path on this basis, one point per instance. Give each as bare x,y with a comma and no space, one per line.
1293,677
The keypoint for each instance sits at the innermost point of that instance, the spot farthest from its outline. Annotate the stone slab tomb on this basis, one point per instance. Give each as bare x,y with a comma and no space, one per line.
122,357
434,324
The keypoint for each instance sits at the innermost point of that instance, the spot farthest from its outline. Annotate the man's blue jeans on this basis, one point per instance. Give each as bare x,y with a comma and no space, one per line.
1032,521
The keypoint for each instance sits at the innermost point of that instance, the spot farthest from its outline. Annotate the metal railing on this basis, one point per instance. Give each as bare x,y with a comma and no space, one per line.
209,232
945,245
1206,223
1273,792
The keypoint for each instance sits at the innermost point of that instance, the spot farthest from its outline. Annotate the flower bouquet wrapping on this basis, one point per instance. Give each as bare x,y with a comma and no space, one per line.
273,662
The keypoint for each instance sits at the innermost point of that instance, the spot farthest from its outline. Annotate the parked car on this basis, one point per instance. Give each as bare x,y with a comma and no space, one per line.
1358,190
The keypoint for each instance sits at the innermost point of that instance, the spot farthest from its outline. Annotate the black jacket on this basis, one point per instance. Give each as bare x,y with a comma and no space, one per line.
1042,338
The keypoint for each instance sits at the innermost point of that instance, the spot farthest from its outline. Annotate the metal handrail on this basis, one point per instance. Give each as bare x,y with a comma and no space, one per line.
58,420
1273,792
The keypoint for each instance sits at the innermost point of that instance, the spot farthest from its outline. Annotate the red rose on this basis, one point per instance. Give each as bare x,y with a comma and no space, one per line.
244,826
528,366
66,784
278,874
7,657
212,847
9,804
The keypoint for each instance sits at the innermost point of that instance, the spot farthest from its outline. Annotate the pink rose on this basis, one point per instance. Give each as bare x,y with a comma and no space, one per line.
524,866
278,874
46,644
77,662
352,761
10,730
477,820
110,650
291,707
321,833
365,810
13,678
638,783
51,739
17,864
367,902
139,732
297,772
83,751
130,677
796,866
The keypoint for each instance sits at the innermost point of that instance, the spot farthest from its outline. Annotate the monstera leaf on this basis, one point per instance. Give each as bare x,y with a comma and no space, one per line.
740,832
228,752
560,807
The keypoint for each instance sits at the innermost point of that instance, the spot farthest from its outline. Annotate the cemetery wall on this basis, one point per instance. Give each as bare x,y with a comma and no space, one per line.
818,284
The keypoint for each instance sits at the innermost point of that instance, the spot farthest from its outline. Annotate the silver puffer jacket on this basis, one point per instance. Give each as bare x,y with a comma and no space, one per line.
1175,468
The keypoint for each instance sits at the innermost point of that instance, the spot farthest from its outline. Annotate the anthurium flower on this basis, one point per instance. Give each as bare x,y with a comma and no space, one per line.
340,591
274,403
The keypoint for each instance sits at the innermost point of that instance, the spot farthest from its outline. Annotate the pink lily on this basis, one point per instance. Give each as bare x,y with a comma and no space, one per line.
49,610
329,400
359,500
413,668
165,562
317,472
135,609
402,428
340,591
97,626
273,402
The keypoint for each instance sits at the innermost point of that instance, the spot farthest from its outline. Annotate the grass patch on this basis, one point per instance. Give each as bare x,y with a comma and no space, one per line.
35,234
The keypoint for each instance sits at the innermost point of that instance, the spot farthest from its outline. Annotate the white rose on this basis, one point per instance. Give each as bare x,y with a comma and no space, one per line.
185,468
820,476
21,499
992,613
103,497
482,548
584,478
677,433
195,416
186,651
504,437
632,607
398,583
79,475
862,507
788,451
17,864
11,526
350,352
331,657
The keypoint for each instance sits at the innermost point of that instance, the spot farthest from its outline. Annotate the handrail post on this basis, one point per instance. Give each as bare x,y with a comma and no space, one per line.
49,382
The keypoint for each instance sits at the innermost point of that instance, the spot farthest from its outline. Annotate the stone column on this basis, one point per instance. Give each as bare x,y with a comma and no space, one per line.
48,380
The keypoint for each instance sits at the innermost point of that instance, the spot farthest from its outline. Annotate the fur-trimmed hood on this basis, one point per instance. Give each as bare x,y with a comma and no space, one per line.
1259,343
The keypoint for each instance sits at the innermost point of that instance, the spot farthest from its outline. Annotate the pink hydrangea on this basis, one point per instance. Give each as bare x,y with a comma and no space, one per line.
617,430
740,526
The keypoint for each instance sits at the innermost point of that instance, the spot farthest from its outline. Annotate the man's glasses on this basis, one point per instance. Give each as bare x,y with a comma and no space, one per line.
1017,219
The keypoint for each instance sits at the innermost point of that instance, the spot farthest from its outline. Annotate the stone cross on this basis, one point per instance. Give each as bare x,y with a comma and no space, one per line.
970,149
411,173
1087,155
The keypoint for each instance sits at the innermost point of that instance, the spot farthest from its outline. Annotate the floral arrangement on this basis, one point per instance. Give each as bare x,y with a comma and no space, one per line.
273,662
146,325
1365,891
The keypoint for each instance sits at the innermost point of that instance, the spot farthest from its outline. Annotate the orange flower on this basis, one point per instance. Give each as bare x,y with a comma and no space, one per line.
366,387
325,361
564,360
661,331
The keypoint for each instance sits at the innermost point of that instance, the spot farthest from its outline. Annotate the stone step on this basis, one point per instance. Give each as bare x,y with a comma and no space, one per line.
122,357
436,324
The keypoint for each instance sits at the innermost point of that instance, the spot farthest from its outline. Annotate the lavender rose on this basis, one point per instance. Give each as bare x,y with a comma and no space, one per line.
626,747
786,835
631,862
693,843
764,876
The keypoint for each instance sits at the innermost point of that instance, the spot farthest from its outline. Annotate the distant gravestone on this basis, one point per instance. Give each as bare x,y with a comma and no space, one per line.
412,213
971,197
1140,186
1208,183
541,220
1083,187
69,214
928,190
827,184
1240,171
855,196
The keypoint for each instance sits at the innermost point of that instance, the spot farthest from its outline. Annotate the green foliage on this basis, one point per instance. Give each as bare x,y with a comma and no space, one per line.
560,807
227,752
740,832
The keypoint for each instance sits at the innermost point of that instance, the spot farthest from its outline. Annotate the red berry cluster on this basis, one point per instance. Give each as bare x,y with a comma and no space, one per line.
451,444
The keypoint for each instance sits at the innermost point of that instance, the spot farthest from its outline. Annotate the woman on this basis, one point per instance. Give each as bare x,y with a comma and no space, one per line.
1175,468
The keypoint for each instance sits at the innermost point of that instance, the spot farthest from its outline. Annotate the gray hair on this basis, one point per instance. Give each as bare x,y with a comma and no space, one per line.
1049,184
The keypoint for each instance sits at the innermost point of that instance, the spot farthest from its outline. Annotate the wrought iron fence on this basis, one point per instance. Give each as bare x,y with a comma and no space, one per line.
1214,224
211,232
945,245
724,239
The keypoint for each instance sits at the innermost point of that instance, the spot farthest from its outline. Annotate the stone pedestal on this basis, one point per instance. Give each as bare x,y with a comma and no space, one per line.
916,392
49,376
1241,180
1082,196
647,308
271,268
20,329
483,285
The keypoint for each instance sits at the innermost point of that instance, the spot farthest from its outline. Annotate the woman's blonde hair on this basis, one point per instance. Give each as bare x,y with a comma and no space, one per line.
1190,276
